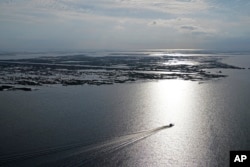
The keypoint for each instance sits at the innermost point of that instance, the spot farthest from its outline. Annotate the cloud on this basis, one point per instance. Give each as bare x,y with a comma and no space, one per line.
190,28
117,13
148,22
119,27
185,25
169,6
109,8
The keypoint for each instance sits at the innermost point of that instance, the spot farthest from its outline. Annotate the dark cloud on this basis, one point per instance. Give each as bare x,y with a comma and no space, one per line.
191,28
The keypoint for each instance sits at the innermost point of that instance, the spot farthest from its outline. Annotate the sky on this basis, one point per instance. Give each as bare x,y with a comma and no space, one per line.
124,24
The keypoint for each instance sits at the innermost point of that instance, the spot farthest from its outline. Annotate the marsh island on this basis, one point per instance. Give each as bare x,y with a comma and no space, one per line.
81,69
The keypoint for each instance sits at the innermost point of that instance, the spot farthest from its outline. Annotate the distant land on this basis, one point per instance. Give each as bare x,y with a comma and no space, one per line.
80,69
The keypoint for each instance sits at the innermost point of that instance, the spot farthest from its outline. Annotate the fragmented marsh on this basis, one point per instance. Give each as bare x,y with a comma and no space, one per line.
81,69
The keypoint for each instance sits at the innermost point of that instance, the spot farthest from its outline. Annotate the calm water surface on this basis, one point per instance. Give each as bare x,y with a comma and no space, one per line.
116,125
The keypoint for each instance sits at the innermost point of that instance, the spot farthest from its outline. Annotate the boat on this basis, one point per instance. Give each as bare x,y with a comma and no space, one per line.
171,125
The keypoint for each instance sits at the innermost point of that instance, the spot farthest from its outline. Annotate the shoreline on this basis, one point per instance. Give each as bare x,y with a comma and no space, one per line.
80,70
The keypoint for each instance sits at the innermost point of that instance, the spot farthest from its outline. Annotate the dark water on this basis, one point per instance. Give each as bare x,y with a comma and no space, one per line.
124,124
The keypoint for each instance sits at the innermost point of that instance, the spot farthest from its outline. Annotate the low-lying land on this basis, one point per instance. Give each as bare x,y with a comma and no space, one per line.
80,69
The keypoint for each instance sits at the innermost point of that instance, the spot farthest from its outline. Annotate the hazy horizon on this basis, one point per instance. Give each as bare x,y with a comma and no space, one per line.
51,25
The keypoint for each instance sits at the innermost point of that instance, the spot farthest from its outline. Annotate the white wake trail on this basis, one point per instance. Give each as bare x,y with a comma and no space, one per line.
77,154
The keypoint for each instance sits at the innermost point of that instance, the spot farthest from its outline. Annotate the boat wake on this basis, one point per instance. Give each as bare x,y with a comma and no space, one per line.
76,154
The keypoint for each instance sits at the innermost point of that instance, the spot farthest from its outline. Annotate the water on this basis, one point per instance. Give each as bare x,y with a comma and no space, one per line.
123,124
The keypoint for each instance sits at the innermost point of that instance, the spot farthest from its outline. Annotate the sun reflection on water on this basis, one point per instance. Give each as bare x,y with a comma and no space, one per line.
174,101
169,99
180,62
